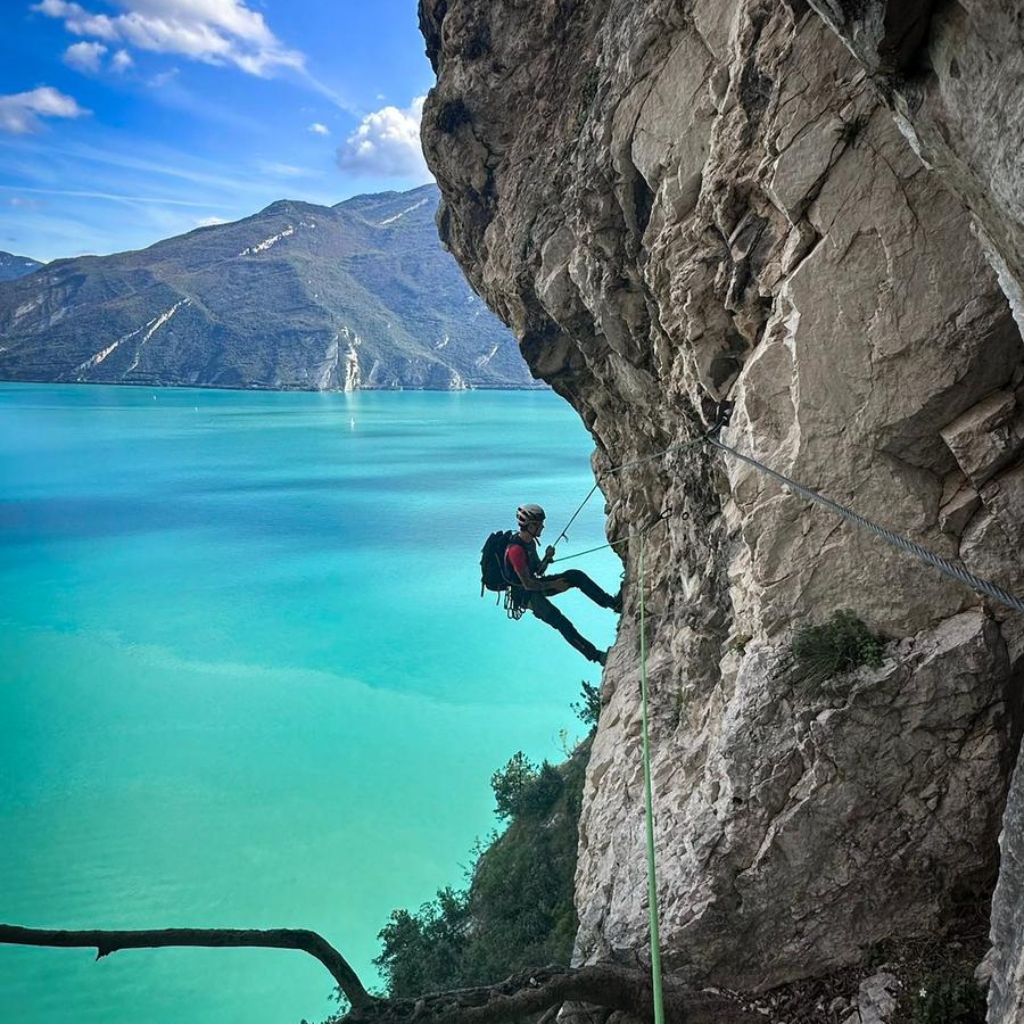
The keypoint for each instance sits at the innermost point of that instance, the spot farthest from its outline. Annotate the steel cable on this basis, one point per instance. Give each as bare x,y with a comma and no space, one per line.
902,543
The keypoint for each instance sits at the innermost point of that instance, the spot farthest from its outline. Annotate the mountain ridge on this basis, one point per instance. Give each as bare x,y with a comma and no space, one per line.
359,295
12,267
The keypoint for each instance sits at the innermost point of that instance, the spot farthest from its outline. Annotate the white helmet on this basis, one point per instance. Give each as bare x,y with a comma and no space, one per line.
529,514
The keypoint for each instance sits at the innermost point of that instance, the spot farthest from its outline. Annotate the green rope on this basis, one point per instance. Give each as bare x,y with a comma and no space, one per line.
652,880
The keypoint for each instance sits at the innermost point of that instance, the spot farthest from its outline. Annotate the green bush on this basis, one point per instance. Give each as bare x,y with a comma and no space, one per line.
509,784
540,794
841,645
518,911
588,707
426,952
521,788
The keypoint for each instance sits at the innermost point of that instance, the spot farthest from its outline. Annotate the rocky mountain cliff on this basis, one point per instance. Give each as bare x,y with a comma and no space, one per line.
815,210
358,295
12,267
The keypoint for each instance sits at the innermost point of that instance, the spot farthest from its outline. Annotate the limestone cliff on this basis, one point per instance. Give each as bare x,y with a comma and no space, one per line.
817,212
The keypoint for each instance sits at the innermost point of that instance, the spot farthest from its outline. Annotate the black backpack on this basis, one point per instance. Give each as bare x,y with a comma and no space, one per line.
492,561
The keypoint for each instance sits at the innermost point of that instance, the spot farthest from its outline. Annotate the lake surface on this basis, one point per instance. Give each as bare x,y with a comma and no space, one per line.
247,679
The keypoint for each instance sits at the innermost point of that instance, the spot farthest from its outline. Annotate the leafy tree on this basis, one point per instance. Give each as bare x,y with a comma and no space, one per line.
518,910
509,783
588,707
425,952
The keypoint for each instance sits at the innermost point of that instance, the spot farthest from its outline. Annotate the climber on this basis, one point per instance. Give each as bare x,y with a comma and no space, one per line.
529,587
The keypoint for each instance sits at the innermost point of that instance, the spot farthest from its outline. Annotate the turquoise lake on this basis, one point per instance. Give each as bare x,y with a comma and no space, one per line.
247,679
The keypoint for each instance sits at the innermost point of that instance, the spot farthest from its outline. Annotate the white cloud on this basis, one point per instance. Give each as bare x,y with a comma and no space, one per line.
319,129
84,56
212,31
21,112
209,222
121,61
387,144
77,20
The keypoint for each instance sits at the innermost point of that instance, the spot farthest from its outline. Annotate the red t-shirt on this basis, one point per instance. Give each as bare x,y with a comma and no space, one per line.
519,560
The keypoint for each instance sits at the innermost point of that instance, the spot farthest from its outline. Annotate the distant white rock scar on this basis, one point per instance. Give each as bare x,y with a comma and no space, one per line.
391,220
150,327
352,372
484,360
26,308
329,368
443,342
267,242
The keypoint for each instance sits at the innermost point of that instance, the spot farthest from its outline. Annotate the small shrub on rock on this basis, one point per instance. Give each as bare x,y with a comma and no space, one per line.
842,644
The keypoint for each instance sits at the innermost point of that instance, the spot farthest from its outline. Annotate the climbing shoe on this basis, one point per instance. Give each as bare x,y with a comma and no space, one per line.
616,605
601,658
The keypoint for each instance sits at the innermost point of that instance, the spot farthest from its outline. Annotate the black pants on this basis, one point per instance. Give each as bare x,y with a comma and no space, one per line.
539,604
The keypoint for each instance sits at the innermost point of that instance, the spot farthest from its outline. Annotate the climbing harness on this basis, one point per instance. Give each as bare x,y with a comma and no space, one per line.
514,609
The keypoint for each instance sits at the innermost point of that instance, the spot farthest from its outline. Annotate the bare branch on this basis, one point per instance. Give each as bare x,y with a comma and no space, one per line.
609,986
107,942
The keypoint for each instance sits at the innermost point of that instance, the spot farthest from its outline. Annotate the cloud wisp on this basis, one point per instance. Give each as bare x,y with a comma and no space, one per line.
22,113
112,197
211,31
85,57
319,129
387,144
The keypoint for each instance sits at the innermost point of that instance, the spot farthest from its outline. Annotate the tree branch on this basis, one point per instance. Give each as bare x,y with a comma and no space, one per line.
534,992
107,942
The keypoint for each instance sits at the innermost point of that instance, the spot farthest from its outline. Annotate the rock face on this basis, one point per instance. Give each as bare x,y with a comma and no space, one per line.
1006,992
673,204
358,295
953,74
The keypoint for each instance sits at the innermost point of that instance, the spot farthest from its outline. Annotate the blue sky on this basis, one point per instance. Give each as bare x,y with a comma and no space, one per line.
126,121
